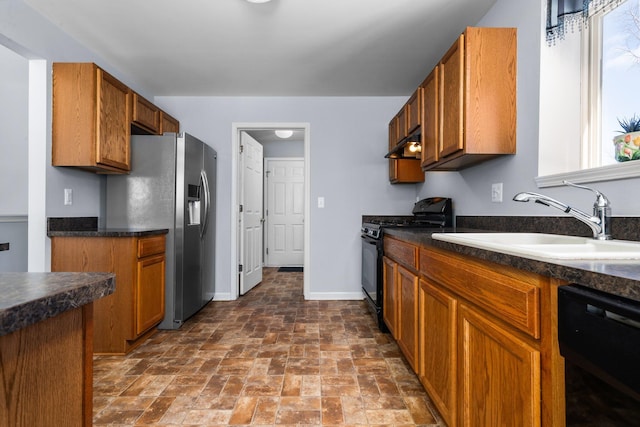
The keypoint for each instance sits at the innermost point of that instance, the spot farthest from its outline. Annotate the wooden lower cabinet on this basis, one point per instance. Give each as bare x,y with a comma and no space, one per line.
46,372
480,336
499,374
437,346
123,320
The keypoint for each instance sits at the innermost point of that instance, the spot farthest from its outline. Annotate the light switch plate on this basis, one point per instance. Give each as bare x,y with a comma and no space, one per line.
496,192
321,202
68,196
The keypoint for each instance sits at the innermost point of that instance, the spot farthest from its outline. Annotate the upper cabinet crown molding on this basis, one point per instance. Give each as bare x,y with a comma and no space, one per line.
93,114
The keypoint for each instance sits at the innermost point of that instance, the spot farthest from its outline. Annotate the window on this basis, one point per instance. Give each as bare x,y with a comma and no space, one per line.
613,63
610,91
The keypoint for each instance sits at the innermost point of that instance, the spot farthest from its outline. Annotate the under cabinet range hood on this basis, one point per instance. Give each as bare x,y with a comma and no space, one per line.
408,148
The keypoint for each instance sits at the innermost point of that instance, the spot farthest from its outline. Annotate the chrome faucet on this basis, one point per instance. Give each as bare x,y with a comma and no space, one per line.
599,222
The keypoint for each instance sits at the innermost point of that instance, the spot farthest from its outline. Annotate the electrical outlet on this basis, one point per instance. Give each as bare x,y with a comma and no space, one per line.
68,196
496,192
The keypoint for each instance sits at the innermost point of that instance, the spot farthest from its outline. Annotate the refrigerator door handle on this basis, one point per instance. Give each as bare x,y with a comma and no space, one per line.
207,202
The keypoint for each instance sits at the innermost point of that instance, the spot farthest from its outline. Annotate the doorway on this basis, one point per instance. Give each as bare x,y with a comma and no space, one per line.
238,241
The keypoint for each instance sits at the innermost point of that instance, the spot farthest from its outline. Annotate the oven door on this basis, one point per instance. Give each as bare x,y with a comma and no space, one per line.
372,270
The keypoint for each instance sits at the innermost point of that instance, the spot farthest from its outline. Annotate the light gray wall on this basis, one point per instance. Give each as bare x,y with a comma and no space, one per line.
14,86
348,138
13,159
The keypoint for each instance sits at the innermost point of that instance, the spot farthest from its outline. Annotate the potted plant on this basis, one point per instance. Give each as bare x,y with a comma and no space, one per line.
627,144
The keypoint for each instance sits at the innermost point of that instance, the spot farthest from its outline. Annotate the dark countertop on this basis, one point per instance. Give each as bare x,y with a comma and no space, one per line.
108,232
620,278
88,227
27,298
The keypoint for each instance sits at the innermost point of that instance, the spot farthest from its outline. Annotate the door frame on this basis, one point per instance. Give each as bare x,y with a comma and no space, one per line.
236,128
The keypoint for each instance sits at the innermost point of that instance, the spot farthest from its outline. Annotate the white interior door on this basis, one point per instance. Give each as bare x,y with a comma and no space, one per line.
285,212
251,215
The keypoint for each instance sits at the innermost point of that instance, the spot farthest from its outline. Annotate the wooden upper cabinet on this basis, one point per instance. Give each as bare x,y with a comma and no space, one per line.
91,119
145,114
430,119
478,98
168,123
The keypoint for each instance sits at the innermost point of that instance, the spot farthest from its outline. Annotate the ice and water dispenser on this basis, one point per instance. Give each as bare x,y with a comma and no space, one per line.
193,204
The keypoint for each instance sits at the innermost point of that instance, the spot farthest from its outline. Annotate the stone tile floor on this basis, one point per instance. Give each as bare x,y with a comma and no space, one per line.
269,358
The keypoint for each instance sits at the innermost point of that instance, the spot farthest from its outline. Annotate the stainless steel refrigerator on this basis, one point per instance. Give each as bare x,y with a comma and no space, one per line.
172,185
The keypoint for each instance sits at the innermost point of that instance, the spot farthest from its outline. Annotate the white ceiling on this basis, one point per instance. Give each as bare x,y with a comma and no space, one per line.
285,47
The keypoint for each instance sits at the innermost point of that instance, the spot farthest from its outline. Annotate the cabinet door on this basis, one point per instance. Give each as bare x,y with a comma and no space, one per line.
408,315
149,305
499,375
168,123
451,99
145,114
390,296
114,128
393,132
402,125
414,111
437,348
430,123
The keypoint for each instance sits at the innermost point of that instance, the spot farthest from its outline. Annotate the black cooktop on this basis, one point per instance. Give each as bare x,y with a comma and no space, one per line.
433,212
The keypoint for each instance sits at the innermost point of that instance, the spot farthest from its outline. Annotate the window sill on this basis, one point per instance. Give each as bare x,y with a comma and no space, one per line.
625,170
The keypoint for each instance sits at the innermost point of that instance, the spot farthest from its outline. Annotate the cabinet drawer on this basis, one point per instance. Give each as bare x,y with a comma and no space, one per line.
507,293
401,252
151,246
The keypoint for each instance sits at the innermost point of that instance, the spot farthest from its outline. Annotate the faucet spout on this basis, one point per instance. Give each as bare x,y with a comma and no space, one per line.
597,223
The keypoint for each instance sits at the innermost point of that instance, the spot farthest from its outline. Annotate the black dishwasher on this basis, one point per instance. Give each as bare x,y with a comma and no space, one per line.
599,337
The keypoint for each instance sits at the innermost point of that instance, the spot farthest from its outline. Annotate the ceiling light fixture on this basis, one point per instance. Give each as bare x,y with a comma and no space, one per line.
258,1
282,133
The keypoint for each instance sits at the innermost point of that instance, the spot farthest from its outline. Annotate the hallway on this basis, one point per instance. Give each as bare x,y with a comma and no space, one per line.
268,358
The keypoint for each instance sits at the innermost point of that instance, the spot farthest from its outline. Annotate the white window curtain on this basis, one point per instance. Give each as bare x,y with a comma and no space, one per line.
571,15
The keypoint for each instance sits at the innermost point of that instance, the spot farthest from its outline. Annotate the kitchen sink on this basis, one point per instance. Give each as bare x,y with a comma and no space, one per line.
546,245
